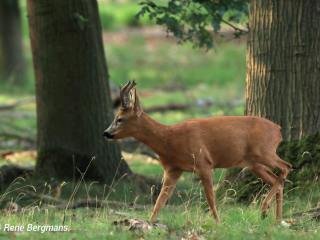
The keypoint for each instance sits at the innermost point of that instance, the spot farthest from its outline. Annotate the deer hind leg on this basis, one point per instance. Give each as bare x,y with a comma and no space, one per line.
263,168
284,168
279,203
284,171
268,177
206,179
279,194
170,179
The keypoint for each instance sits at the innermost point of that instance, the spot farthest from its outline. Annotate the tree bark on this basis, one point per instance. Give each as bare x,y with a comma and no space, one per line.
283,65
12,64
72,91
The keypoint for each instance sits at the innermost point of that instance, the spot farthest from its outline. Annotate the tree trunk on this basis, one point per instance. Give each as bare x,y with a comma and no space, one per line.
72,91
283,65
12,64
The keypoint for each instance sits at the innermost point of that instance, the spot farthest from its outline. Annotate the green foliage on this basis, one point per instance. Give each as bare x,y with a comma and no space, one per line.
116,15
192,20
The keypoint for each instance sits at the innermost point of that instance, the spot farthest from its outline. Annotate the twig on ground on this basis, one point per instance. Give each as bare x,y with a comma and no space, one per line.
314,211
82,203
16,136
16,104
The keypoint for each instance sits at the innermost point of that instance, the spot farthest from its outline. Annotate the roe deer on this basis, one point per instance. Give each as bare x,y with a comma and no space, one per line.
200,145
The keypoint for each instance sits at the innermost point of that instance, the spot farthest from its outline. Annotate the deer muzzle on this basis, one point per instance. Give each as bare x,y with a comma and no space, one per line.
107,135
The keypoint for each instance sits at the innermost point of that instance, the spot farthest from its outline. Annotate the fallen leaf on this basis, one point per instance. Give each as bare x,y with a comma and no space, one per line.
134,224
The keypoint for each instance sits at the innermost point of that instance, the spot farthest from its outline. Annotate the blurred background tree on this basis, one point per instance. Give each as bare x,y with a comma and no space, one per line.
12,62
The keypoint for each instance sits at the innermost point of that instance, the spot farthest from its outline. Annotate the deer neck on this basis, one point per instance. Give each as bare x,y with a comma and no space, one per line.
153,134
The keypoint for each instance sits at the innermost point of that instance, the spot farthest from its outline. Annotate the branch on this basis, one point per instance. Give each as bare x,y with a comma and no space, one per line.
82,203
96,203
17,137
8,173
242,31
16,104
199,104
313,211
170,107
43,197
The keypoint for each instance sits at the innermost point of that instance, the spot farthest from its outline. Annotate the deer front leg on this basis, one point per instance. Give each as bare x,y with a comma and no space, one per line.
206,179
170,178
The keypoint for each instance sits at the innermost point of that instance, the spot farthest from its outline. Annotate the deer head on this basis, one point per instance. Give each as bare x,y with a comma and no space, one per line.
126,121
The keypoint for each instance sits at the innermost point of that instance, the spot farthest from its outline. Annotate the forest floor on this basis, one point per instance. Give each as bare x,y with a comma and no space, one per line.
185,217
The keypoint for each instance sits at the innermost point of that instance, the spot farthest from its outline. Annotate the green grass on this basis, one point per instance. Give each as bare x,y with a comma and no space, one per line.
238,223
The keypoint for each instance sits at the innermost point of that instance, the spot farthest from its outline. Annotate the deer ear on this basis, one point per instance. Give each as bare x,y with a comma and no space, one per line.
137,106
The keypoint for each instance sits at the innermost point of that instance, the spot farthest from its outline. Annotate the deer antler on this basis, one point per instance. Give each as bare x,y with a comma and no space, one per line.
125,94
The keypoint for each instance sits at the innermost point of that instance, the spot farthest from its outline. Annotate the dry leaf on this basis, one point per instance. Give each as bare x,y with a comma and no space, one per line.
138,224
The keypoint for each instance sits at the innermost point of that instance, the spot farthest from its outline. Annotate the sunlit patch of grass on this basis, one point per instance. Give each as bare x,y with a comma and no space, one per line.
157,98
160,63
144,165
118,15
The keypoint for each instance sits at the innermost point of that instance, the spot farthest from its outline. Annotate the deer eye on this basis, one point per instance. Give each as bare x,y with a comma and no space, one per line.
119,120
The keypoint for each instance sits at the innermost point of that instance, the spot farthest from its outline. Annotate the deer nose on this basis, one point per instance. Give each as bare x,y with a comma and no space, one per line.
106,134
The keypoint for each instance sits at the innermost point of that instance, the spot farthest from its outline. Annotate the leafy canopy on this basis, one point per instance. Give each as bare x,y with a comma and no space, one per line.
195,20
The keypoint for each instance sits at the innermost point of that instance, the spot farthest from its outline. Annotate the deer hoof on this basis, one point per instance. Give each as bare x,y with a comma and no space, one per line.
264,215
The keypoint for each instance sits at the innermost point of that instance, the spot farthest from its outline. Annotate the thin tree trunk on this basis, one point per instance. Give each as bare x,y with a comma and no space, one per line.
12,64
283,65
72,91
